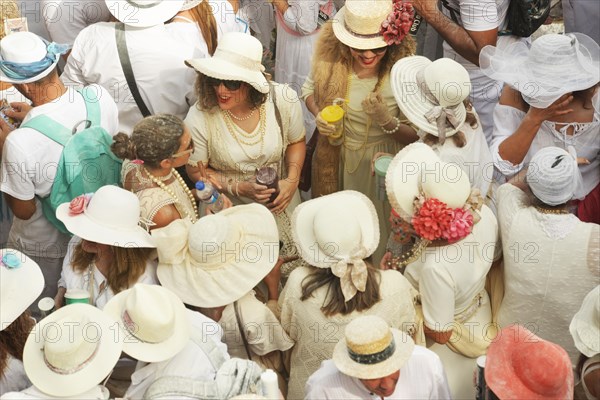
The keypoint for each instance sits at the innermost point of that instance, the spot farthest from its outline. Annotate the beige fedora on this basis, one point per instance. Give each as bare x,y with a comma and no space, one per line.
358,23
585,325
371,349
152,319
72,350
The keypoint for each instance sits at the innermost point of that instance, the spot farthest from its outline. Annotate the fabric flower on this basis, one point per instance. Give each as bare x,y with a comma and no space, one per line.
79,204
432,219
398,23
460,226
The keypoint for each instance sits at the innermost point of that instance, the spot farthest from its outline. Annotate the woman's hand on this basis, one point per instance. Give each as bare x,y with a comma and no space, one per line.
252,190
375,108
375,157
18,110
556,109
324,127
59,299
286,192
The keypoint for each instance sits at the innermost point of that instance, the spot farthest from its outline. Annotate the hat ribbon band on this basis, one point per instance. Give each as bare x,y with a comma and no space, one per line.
132,327
375,358
22,71
238,59
70,371
353,273
149,5
361,35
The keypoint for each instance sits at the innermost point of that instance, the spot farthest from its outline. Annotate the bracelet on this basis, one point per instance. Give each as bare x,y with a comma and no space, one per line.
229,186
237,186
390,131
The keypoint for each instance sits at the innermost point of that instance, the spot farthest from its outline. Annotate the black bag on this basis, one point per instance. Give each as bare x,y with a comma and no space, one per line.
526,16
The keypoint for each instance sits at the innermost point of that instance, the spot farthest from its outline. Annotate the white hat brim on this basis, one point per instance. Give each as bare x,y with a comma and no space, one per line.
88,229
131,15
46,72
190,5
584,325
202,287
413,103
97,369
152,352
350,39
20,287
226,70
303,224
404,349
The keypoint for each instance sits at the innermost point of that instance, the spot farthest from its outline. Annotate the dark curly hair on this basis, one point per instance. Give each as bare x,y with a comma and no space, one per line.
207,98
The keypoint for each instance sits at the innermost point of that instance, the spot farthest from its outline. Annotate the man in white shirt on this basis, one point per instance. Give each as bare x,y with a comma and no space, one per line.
165,84
66,18
375,361
29,158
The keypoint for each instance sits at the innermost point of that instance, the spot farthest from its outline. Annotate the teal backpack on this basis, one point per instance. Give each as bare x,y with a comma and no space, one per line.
86,163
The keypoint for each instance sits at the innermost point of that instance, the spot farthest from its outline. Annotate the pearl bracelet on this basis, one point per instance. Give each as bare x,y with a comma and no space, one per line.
390,131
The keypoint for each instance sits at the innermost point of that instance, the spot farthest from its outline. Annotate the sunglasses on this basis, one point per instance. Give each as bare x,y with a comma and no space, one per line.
230,85
380,50
188,150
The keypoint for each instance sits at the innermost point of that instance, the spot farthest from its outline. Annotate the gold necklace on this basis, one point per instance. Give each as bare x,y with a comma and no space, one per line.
262,130
247,117
409,256
171,193
551,210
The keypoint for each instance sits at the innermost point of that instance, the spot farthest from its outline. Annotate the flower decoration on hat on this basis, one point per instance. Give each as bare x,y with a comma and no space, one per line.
79,204
398,23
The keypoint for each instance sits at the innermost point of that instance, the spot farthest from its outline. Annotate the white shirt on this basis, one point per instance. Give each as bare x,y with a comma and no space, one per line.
97,393
165,83
422,377
29,161
66,18
14,376
190,362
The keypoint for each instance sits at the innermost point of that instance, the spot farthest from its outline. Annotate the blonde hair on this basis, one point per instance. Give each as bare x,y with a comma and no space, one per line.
8,9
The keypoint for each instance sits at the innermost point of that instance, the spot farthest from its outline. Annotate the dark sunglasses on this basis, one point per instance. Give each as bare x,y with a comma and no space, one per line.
231,85
380,50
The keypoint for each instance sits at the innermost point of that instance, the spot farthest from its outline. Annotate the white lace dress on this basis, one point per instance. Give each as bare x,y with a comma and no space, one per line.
551,261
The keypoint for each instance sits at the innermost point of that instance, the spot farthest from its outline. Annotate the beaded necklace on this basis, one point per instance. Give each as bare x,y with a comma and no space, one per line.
247,117
171,193
235,130
551,211
401,261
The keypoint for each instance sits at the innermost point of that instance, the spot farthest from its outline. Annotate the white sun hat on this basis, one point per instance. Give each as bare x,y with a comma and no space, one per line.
144,13
21,282
238,57
72,350
27,48
108,216
189,4
358,23
153,320
553,66
371,349
585,325
221,257
431,94
553,175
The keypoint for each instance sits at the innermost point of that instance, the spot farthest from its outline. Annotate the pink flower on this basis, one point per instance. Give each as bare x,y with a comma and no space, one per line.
79,204
432,219
460,226
398,23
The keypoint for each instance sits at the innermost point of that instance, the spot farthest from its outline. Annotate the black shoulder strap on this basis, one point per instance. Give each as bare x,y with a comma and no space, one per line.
127,69
452,11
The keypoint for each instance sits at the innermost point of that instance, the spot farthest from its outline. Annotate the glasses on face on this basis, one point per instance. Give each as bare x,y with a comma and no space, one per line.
378,51
231,85
188,150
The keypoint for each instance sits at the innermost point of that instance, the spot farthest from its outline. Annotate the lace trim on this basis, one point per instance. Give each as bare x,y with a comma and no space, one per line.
556,226
579,128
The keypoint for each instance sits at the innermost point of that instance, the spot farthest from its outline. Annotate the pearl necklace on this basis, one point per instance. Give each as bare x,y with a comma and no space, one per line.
551,211
171,193
234,130
247,117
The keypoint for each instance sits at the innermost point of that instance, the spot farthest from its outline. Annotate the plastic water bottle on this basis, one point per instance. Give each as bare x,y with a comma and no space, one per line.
209,196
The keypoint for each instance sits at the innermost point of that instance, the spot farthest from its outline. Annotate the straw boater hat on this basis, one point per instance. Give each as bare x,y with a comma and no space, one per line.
109,216
220,258
553,175
153,320
72,350
25,57
585,326
358,23
21,282
521,365
143,13
431,94
238,57
338,231
371,349
552,66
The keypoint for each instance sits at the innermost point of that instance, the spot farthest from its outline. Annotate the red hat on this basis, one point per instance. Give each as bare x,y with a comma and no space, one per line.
521,365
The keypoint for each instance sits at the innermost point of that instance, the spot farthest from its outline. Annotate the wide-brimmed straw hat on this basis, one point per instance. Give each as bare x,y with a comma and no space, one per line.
238,57
25,57
189,4
431,94
72,350
21,282
371,349
220,258
154,321
585,325
417,170
358,23
144,13
553,66
521,365
108,216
